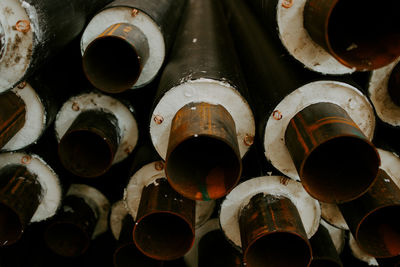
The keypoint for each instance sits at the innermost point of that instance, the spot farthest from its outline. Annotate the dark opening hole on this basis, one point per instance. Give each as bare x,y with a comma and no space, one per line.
163,236
66,239
203,168
340,170
11,228
111,64
128,256
394,85
324,263
365,33
278,249
85,153
379,233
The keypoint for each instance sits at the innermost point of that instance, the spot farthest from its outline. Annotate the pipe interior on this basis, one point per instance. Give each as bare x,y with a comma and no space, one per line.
379,233
164,236
11,228
85,153
340,169
111,64
203,168
365,33
66,239
128,254
277,250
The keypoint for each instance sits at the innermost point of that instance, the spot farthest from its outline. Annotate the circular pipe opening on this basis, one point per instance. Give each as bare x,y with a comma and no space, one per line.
66,239
11,228
163,236
378,233
128,255
394,85
111,64
364,34
324,263
278,249
203,168
85,153
340,170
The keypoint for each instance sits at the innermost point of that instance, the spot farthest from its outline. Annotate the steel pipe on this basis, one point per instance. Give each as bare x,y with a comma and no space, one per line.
394,85
20,195
335,161
323,249
165,222
114,60
349,31
271,229
70,233
373,218
12,115
203,159
88,147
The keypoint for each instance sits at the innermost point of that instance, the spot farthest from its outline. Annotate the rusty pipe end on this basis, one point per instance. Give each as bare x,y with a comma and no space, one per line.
394,85
88,147
203,159
127,254
359,34
272,233
114,60
335,161
165,226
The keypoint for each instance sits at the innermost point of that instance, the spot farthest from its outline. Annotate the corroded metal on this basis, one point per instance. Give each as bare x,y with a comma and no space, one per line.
88,147
70,232
214,250
12,115
394,85
20,195
203,159
127,253
114,60
272,233
335,161
374,219
359,34
323,250
165,222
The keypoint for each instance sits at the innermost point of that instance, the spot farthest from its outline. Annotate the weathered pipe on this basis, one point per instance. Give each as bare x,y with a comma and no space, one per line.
335,161
127,253
374,218
114,60
272,233
20,194
12,115
203,159
70,232
394,85
214,250
88,147
165,222
349,31
323,249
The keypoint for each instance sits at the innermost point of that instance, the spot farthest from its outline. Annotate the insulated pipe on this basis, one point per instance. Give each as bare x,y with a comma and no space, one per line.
270,229
202,91
34,31
345,29
316,138
125,44
164,229
373,218
393,86
323,250
208,131
89,146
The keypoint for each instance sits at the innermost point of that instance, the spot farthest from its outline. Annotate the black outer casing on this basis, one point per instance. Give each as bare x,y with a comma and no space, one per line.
165,13
59,22
211,56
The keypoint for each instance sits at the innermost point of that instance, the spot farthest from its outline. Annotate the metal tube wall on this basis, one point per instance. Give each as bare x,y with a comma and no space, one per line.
323,249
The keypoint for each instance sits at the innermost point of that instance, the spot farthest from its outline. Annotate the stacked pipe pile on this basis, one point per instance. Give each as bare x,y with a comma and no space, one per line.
199,133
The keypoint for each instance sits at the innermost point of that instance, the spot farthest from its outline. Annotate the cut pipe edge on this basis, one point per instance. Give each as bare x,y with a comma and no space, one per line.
359,44
270,229
203,146
165,222
323,140
114,60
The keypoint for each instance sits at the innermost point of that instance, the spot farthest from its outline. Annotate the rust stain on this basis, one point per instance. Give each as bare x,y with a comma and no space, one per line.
300,137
